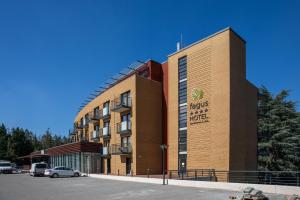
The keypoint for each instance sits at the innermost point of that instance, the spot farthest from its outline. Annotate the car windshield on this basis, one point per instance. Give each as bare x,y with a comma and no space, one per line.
41,166
5,165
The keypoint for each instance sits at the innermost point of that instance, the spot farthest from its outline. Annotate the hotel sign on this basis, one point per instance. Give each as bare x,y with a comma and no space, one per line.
198,107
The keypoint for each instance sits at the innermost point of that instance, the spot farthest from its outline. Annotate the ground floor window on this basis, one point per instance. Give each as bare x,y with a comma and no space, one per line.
82,161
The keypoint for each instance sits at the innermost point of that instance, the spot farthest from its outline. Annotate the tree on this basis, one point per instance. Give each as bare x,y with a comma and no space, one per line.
47,140
278,132
19,143
36,142
3,142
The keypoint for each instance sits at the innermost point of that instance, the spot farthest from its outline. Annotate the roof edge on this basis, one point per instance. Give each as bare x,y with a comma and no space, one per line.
208,37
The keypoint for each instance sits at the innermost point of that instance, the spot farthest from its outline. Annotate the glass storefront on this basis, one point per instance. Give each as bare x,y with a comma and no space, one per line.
82,161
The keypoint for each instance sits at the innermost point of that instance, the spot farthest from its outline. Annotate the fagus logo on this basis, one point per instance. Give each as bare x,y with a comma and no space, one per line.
197,94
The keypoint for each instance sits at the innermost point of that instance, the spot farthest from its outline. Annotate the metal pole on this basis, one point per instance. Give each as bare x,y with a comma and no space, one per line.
164,173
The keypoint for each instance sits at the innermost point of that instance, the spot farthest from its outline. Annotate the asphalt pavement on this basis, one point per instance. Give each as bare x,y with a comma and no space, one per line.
25,187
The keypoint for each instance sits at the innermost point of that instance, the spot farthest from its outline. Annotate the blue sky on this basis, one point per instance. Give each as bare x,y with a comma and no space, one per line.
53,54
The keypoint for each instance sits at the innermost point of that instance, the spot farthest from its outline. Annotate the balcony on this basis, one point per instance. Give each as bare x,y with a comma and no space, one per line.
72,132
121,104
105,152
95,135
82,139
124,128
117,149
79,126
86,122
104,113
94,116
105,133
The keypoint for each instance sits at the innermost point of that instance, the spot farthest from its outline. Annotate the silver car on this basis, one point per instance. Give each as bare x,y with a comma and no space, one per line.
61,171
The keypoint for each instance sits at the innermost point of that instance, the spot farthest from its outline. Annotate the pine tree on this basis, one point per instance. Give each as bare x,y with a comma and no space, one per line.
3,142
19,143
278,132
47,140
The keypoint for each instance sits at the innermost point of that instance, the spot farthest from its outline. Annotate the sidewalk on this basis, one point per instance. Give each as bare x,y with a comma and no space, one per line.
273,189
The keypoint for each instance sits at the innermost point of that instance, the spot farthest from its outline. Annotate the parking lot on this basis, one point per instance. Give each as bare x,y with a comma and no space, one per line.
25,187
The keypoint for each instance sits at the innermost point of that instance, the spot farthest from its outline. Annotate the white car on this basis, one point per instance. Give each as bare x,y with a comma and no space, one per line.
61,171
38,169
6,167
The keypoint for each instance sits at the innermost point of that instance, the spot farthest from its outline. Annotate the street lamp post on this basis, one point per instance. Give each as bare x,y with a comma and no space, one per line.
164,148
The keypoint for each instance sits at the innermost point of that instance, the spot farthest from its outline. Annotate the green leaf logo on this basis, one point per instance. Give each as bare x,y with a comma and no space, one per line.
197,94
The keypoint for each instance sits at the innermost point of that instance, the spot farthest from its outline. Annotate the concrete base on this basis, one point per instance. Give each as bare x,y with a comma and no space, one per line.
272,189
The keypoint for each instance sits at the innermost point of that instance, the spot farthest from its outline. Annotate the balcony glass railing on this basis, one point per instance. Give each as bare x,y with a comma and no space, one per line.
78,126
124,127
121,104
121,149
105,132
95,134
86,121
95,115
104,113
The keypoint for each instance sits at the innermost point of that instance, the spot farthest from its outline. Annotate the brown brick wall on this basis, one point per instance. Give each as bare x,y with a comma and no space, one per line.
216,66
148,126
243,115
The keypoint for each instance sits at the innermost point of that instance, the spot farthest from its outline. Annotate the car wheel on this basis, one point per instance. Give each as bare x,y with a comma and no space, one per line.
76,174
55,175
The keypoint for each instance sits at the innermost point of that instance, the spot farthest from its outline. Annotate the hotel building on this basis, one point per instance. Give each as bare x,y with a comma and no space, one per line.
198,102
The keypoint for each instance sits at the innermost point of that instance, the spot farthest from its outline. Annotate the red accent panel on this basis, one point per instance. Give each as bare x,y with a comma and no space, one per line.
165,108
75,147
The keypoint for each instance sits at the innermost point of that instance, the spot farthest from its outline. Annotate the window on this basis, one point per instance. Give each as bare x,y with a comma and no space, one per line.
105,108
182,112
86,119
106,105
96,127
41,166
182,117
182,65
96,111
182,140
125,98
106,124
106,143
126,117
125,141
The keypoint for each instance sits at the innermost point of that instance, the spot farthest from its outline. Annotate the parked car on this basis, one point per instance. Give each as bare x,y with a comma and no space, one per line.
38,169
61,171
6,167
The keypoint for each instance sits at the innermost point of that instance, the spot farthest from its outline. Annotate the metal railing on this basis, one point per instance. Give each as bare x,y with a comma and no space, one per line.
104,132
120,103
94,115
119,149
95,134
291,178
78,126
104,113
124,127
